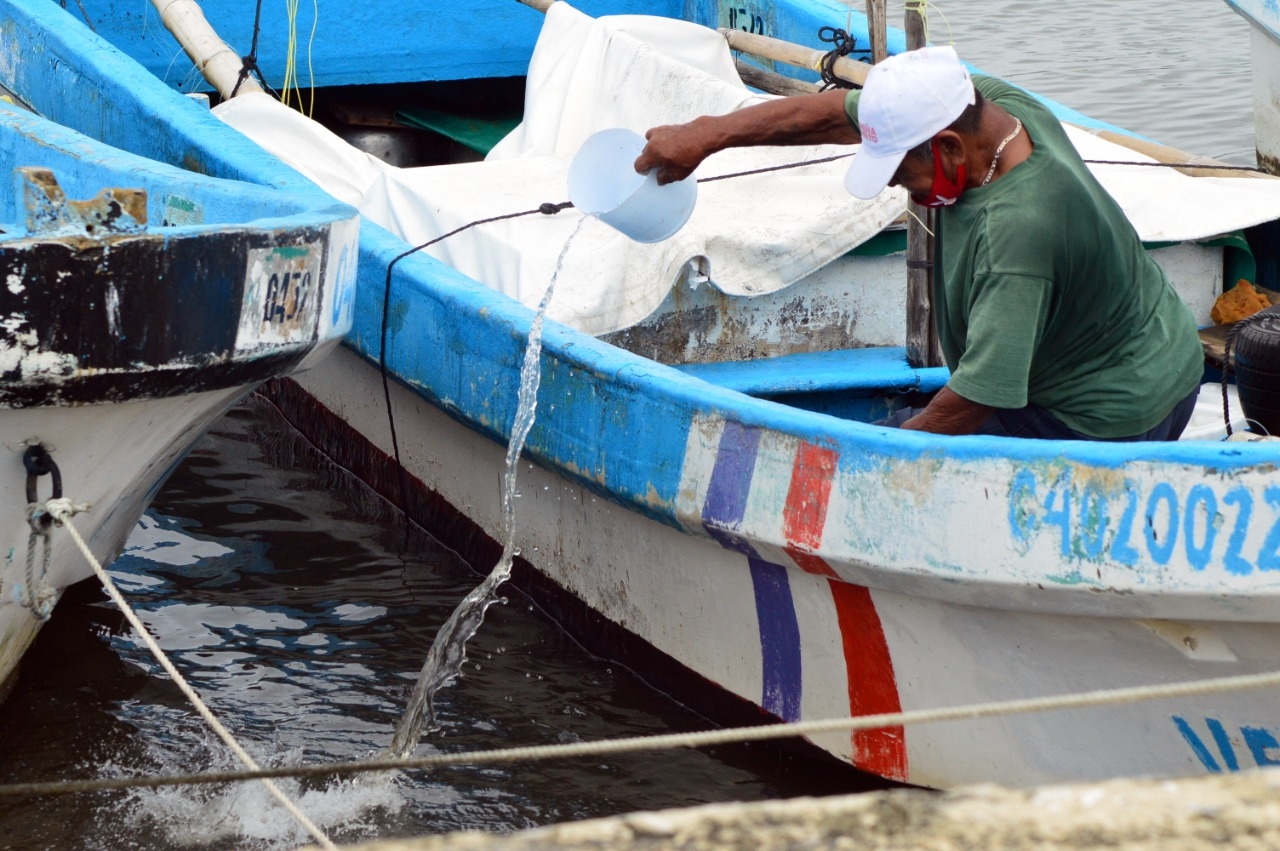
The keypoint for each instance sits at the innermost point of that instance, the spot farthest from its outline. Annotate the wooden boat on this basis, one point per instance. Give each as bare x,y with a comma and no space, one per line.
721,516
132,320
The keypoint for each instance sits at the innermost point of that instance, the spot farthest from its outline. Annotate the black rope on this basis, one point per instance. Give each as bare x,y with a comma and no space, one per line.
249,62
843,45
80,3
770,168
1228,367
546,209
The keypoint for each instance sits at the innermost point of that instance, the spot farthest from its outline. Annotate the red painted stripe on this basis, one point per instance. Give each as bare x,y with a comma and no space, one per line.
805,512
873,689
806,509
811,563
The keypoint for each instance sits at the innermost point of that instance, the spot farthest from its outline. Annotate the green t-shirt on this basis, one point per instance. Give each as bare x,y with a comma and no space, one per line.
1047,296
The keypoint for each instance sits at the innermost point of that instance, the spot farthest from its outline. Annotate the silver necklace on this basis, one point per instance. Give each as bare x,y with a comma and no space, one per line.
1000,150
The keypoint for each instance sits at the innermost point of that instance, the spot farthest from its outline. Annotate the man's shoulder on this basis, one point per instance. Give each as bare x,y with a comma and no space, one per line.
997,90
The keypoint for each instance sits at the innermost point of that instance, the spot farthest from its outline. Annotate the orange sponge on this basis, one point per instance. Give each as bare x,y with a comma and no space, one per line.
1238,302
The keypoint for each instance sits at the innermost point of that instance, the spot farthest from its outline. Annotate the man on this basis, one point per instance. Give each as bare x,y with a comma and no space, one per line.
1053,319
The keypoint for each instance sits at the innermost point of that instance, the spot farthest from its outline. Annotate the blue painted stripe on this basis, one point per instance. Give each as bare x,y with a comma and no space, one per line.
779,640
723,510
731,477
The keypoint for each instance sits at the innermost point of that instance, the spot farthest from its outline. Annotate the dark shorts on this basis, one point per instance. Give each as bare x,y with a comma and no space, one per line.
1036,422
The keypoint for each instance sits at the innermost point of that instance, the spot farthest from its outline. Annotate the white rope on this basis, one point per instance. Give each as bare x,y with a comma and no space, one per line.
537,753
36,593
61,510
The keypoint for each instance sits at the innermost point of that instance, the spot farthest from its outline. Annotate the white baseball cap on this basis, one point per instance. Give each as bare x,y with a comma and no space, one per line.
906,99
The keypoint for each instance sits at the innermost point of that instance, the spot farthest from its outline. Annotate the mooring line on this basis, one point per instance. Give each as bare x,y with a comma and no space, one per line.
671,741
61,510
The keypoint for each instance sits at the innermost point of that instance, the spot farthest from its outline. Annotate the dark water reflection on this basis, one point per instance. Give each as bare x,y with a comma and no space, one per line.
287,594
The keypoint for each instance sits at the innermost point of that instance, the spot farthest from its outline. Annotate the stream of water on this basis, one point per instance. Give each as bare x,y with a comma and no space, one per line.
449,648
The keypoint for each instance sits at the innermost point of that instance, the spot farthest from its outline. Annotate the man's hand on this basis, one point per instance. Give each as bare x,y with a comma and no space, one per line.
675,150
950,413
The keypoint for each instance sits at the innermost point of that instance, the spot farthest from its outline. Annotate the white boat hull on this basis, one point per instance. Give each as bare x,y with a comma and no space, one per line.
113,458
861,651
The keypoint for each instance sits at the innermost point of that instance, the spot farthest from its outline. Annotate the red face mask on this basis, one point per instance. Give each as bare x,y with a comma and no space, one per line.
943,192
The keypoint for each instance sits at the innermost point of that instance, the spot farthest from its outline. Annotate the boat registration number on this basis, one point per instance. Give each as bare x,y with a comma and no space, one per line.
281,296
1235,528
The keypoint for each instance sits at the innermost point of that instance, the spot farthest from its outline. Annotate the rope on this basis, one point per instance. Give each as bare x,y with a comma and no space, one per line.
36,594
698,739
546,209
842,45
249,62
1228,367
85,14
920,8
62,510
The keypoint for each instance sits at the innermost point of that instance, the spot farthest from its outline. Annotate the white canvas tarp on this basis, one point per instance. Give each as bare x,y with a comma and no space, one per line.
751,235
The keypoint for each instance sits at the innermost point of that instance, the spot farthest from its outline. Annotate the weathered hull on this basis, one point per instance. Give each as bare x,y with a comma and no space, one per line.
809,564
131,321
805,644
112,457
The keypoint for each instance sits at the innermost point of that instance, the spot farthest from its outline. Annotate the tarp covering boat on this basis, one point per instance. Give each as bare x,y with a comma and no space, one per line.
751,235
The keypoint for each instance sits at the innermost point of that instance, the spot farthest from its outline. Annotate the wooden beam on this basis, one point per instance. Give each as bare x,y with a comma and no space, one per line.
878,29
1194,164
772,82
923,348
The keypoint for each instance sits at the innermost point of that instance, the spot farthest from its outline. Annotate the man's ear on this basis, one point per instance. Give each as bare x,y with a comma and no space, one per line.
951,146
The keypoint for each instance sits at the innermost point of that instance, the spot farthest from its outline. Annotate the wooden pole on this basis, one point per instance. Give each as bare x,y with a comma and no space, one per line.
772,82
219,64
922,334
793,54
878,29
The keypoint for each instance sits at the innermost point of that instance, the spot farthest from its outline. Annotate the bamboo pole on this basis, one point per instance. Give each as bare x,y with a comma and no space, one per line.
218,63
878,29
923,348
794,54
1192,165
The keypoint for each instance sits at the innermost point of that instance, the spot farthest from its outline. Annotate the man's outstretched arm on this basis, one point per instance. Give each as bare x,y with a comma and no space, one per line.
675,150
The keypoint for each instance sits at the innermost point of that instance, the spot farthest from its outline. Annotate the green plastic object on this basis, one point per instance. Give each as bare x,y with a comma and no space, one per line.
479,133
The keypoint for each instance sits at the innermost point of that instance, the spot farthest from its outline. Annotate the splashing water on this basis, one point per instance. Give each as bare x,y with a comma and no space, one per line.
245,814
448,650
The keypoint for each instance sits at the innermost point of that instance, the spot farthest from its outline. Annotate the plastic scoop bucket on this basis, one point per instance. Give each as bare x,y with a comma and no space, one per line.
603,183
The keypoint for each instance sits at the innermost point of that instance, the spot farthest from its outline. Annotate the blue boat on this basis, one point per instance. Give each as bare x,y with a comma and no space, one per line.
702,496
141,301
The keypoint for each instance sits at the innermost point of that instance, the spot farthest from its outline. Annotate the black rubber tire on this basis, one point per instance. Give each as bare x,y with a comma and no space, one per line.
1257,369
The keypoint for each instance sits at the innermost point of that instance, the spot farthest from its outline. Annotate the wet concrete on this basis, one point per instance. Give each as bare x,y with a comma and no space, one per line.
1241,811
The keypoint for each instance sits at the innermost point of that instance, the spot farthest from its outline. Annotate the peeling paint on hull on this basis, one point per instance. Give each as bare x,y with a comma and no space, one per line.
120,343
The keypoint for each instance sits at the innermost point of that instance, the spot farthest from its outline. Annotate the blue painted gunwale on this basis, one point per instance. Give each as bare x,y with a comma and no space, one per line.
84,166
459,345
1263,14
